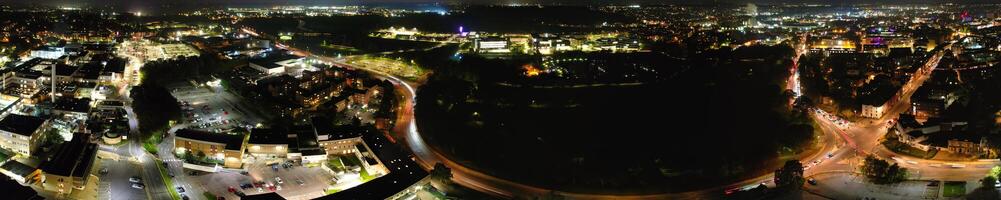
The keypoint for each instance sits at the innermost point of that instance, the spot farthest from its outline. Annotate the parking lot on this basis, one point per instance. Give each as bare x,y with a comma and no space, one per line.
297,182
115,184
214,109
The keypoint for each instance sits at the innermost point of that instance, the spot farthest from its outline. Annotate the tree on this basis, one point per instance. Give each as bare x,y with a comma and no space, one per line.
790,176
882,172
988,182
441,173
53,137
200,155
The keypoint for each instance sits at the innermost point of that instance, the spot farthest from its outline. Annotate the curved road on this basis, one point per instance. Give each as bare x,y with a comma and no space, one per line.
859,138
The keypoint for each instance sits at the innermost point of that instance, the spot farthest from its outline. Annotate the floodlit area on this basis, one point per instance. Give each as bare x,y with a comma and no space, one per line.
395,67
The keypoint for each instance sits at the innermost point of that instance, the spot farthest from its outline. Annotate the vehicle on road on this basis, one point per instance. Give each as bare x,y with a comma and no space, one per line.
184,197
812,181
135,179
138,186
180,189
279,180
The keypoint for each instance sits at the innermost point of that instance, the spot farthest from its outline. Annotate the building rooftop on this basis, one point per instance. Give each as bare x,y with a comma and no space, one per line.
267,136
73,105
264,196
21,124
232,142
14,190
73,159
270,60
18,168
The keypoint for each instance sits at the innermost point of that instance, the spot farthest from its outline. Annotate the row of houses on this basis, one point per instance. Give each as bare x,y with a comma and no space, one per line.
942,135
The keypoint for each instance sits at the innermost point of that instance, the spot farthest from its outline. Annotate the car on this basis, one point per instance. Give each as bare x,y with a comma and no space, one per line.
278,187
300,182
180,189
184,197
279,180
260,189
812,181
830,155
135,179
138,186
244,172
171,174
246,186
104,170
230,189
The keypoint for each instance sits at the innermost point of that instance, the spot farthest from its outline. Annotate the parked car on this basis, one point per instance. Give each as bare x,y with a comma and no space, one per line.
812,181
180,189
135,179
138,186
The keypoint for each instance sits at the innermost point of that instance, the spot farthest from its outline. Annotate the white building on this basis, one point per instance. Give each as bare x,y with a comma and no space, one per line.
277,64
49,52
492,46
872,111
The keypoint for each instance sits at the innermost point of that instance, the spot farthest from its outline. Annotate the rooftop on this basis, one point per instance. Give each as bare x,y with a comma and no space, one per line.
74,158
73,104
18,168
269,61
14,190
232,142
21,124
267,136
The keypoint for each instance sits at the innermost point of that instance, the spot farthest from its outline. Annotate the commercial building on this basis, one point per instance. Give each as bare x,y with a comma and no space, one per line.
48,52
277,63
492,45
21,133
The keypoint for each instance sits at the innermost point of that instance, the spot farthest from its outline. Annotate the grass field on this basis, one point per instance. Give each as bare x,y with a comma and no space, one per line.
954,189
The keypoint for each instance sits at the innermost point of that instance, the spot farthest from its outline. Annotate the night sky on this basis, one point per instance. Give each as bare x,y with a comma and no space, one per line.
154,6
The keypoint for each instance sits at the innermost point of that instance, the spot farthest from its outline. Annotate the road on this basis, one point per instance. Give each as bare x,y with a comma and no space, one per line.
155,186
829,159
867,135
406,129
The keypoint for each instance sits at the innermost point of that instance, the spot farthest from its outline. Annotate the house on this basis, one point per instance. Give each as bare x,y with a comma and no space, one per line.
218,146
21,133
70,167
